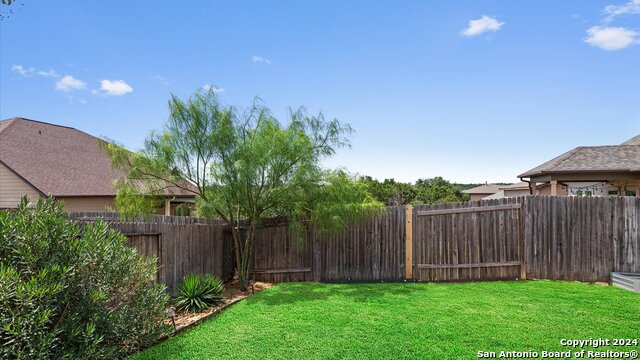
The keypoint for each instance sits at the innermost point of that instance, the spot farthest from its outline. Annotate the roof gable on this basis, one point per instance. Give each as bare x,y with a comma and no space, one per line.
633,141
58,160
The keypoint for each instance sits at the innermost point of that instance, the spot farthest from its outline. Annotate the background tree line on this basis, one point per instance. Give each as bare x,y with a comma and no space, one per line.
425,191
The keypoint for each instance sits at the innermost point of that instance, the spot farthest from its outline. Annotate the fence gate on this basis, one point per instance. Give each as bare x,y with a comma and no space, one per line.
148,244
478,241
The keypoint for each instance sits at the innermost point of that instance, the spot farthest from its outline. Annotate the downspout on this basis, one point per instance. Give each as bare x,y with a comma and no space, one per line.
528,182
167,206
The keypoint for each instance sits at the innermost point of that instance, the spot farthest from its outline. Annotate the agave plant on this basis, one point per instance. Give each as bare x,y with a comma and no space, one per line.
199,292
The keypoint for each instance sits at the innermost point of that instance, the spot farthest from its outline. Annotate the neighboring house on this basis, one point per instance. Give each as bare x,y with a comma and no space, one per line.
520,189
514,190
38,159
590,170
495,191
482,191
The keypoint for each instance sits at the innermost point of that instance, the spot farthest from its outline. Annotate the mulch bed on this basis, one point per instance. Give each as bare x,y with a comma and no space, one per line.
232,294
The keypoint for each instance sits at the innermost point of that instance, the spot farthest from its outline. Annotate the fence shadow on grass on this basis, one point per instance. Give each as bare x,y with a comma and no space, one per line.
290,293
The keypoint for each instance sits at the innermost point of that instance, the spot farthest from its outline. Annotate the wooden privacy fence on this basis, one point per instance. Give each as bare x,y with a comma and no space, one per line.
182,246
581,238
370,250
468,241
564,238
161,219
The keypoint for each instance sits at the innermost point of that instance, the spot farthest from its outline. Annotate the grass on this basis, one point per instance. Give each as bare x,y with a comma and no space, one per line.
431,321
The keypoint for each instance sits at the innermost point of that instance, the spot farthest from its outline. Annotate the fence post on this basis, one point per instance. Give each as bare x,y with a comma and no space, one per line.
409,242
521,240
316,261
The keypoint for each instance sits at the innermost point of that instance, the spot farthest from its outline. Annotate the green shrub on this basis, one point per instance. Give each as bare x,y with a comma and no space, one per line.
199,292
73,292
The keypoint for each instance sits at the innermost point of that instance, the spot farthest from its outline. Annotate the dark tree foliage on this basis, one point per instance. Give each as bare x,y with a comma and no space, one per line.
437,191
390,192
425,191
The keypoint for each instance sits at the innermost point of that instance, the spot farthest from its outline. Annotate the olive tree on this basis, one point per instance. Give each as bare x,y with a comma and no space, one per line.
71,291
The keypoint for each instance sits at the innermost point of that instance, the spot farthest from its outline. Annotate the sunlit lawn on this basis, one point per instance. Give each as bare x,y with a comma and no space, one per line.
413,320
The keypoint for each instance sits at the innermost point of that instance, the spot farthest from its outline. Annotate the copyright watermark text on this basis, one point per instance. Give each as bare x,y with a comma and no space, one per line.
625,350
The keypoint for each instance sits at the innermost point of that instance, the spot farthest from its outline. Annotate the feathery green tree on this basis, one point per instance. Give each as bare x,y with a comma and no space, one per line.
246,166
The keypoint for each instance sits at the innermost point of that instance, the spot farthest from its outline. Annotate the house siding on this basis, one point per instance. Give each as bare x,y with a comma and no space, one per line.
516,192
546,190
476,197
12,188
72,204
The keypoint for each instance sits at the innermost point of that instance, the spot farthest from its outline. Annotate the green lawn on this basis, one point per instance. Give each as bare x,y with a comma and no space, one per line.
386,321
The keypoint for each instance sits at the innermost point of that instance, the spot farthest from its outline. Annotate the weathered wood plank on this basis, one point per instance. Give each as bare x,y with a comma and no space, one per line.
468,210
462,266
280,271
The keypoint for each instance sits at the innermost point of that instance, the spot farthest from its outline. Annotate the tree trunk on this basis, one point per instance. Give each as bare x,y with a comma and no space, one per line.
235,233
244,256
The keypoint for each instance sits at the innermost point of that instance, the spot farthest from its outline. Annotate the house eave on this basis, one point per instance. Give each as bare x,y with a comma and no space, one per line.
583,175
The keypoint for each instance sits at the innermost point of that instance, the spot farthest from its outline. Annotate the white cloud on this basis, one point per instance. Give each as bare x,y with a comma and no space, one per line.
162,79
23,70
216,90
259,59
612,11
50,73
114,88
481,25
611,38
69,83
28,71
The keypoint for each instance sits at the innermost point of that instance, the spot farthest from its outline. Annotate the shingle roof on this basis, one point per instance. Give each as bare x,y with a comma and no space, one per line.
498,195
483,189
5,123
633,141
520,185
618,158
58,160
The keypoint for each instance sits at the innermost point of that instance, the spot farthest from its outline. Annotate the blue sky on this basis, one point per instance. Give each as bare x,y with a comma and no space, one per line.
471,90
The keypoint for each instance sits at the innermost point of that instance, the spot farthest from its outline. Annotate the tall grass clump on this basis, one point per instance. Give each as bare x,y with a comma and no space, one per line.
199,292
